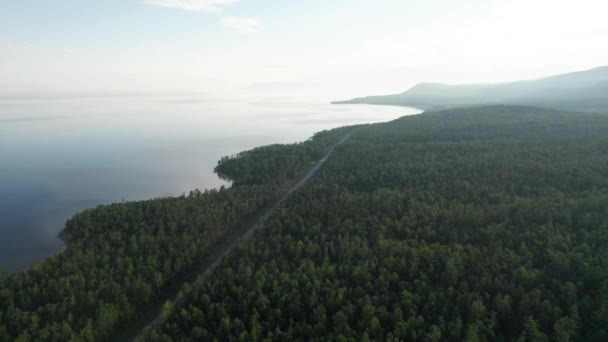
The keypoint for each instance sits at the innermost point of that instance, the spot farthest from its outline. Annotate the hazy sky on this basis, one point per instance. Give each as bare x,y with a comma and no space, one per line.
336,48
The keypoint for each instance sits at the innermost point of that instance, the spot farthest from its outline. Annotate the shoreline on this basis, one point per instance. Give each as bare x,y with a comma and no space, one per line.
64,237
240,235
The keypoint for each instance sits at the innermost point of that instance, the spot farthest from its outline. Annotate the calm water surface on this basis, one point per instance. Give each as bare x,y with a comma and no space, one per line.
61,155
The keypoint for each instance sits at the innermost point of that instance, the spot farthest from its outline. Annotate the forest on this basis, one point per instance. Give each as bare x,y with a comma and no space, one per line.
487,223
476,224
123,260
277,163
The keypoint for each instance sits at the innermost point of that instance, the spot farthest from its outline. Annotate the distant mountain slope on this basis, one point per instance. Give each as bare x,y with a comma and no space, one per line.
583,90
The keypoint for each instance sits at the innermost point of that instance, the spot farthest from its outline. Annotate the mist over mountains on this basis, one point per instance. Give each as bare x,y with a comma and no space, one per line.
582,91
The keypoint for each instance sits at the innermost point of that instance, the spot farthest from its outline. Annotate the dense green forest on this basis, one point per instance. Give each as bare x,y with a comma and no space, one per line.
277,163
122,259
471,224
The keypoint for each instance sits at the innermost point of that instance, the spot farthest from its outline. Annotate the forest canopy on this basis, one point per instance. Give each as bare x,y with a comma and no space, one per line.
471,224
122,260
488,223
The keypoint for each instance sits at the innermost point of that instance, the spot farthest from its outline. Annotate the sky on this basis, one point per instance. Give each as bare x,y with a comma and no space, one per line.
331,48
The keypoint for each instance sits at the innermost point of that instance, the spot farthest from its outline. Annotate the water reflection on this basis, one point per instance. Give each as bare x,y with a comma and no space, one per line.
61,155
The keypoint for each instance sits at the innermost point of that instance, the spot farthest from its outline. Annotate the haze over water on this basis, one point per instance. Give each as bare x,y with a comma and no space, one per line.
63,154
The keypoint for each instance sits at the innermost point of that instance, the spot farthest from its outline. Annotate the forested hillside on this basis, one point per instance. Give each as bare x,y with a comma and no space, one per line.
123,259
471,224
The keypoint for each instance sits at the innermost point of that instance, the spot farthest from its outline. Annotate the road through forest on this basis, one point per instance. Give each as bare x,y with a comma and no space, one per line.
249,232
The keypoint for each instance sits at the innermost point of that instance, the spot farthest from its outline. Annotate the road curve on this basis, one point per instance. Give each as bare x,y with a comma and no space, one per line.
249,232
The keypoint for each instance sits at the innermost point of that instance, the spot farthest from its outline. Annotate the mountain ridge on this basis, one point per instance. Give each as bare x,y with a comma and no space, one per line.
585,90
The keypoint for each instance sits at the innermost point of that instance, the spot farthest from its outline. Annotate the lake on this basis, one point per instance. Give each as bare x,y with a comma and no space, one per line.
59,155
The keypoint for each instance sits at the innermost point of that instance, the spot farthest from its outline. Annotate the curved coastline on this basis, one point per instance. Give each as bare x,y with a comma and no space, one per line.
64,237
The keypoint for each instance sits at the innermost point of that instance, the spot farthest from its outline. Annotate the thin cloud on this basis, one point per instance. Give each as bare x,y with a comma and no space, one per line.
241,25
192,5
